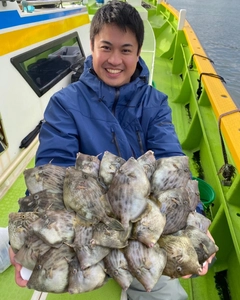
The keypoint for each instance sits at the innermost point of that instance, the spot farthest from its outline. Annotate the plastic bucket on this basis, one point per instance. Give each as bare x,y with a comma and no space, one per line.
207,194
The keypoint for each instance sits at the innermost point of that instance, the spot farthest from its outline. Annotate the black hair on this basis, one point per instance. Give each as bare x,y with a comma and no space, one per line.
122,14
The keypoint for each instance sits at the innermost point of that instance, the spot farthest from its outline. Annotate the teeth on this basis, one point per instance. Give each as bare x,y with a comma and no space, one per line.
113,71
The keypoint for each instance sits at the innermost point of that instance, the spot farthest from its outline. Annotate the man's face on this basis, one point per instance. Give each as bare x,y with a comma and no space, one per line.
115,55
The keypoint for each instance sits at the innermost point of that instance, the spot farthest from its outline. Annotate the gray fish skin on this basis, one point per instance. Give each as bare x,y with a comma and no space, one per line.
171,172
174,202
150,227
46,177
87,254
182,258
109,165
82,194
148,162
81,281
55,227
199,221
28,254
50,274
202,244
146,264
194,194
106,237
89,164
128,191
116,266
19,228
41,201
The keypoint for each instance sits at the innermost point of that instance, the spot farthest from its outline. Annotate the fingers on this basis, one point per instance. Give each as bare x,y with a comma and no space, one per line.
204,268
18,267
186,276
18,278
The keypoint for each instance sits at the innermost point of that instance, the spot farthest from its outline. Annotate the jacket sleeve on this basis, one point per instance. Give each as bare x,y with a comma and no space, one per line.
161,135
58,137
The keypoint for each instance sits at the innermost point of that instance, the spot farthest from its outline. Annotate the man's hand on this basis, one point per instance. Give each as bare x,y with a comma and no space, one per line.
18,278
206,263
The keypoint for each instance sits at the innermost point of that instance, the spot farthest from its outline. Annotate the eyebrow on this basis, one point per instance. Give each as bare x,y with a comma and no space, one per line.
110,44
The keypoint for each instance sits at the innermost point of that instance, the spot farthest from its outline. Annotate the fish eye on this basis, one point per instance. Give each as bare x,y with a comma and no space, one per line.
75,271
39,267
179,269
36,197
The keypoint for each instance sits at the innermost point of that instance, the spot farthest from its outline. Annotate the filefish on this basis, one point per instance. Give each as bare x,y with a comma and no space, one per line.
55,227
146,264
82,194
203,245
19,228
182,258
150,227
87,253
171,172
110,163
175,206
28,254
81,281
148,162
116,266
41,201
199,221
46,177
128,192
106,237
194,194
89,164
50,273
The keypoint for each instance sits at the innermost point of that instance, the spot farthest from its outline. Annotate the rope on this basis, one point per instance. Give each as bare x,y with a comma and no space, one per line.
199,90
191,61
227,170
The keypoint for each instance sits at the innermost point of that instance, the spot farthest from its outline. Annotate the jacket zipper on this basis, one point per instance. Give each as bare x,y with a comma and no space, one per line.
114,140
115,101
140,141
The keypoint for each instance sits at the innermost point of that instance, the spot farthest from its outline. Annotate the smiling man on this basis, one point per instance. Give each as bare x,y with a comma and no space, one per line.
115,55
111,108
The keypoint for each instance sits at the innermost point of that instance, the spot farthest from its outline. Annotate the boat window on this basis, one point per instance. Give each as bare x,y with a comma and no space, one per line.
44,66
3,141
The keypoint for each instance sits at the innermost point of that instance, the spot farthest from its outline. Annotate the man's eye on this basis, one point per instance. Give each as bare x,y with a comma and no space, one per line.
105,47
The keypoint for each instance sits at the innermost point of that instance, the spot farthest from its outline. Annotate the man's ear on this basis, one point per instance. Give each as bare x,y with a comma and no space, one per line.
139,52
91,45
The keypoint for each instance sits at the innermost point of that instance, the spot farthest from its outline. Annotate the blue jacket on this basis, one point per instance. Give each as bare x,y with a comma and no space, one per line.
89,116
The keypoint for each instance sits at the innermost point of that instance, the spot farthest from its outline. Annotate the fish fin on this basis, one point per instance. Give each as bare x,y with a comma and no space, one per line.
101,184
49,273
113,224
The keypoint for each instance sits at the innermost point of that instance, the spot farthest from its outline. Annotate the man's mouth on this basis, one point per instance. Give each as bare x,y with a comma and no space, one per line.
113,71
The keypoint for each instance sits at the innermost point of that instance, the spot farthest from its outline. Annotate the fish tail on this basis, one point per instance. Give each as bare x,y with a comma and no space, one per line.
114,224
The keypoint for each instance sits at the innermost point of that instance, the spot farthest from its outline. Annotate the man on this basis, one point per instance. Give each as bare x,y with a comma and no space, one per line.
112,108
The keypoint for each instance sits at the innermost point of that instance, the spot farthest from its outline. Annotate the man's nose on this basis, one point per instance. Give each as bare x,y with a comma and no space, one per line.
115,58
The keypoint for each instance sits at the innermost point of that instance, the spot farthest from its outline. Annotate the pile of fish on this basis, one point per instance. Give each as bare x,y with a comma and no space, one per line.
109,218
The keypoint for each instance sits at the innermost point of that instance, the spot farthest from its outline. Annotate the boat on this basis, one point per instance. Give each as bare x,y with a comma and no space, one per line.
207,121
